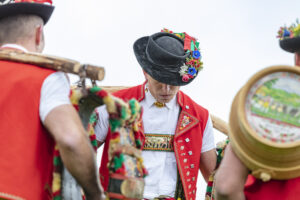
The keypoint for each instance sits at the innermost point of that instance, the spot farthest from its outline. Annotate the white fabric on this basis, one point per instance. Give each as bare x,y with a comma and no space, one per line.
14,46
55,89
162,166
54,92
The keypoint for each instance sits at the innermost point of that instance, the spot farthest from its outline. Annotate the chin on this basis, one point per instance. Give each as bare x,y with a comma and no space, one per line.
164,100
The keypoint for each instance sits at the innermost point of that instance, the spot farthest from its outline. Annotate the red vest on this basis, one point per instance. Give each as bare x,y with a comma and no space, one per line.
275,189
187,140
26,149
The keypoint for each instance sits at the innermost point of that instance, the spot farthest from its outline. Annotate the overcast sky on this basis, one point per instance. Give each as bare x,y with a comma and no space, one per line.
237,39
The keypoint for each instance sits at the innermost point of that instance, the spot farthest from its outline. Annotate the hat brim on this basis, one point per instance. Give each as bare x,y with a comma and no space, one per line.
43,10
153,70
291,45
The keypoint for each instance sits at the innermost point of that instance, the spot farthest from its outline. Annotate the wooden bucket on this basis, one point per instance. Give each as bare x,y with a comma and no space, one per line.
265,123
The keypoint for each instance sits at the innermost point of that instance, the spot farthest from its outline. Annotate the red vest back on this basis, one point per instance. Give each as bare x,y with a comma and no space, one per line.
275,189
188,134
26,149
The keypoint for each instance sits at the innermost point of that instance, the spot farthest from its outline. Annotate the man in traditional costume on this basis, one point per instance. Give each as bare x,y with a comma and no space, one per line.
36,112
178,134
233,180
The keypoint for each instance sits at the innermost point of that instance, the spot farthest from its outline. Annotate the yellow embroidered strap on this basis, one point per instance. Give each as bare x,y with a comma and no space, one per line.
158,142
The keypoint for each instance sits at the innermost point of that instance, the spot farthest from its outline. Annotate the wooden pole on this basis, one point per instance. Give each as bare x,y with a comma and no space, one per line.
220,124
74,67
55,63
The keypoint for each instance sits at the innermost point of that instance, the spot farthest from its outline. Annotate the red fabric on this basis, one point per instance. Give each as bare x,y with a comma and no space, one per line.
256,189
34,1
194,133
26,149
187,42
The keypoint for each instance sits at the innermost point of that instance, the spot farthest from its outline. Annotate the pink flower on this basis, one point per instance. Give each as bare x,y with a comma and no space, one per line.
185,78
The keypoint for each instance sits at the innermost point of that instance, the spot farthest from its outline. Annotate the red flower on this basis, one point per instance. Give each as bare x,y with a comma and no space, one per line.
185,78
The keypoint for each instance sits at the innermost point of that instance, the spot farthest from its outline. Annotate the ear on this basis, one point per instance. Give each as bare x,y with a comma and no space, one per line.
39,35
145,74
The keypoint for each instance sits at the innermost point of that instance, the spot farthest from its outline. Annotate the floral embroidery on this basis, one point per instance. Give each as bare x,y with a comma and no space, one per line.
185,121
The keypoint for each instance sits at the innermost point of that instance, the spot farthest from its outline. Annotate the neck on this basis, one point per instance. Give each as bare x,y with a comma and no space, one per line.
297,59
29,44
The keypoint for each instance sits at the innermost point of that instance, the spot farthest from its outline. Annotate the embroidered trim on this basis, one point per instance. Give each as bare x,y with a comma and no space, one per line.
180,171
186,122
179,192
192,122
142,92
158,142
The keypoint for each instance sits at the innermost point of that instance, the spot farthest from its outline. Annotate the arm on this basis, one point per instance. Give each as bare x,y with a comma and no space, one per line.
231,177
208,162
64,125
208,157
297,58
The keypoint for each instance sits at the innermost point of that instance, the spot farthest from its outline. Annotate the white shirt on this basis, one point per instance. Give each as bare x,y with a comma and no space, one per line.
55,92
55,89
161,165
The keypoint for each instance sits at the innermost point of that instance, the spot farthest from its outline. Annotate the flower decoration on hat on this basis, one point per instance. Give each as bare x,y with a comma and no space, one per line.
289,32
193,63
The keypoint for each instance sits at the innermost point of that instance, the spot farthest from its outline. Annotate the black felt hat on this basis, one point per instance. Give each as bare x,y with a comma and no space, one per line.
162,56
42,8
291,45
290,37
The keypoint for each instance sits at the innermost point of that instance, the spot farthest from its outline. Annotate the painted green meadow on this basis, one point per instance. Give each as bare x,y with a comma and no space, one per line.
276,104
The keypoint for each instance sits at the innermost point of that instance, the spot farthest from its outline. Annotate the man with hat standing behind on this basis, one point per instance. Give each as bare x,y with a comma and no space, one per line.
36,113
233,181
169,60
290,40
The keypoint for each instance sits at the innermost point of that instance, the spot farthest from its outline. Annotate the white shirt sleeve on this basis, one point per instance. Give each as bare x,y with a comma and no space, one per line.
55,92
208,142
102,125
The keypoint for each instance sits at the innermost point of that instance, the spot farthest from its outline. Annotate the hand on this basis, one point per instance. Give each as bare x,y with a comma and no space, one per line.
99,196
96,197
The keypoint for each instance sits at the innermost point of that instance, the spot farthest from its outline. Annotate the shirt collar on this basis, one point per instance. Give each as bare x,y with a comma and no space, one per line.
15,46
150,100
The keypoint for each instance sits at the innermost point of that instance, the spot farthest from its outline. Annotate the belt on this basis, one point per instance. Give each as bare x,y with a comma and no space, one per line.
158,142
